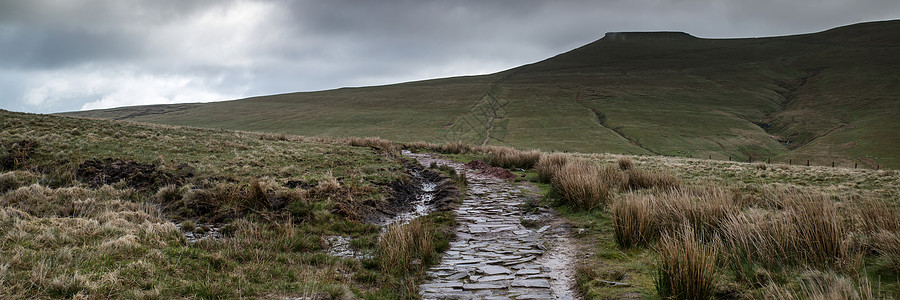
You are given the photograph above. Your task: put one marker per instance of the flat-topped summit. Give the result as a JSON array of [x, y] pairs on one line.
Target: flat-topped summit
[[647, 36]]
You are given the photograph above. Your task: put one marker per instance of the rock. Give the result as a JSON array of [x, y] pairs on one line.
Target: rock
[[483, 286], [532, 283], [528, 272], [495, 278], [457, 276], [494, 270], [442, 285]]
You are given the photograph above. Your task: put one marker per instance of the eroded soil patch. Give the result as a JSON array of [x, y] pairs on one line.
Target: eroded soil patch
[[140, 176], [19, 152]]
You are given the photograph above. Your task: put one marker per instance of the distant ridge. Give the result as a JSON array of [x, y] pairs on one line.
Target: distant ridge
[[647, 36], [832, 96]]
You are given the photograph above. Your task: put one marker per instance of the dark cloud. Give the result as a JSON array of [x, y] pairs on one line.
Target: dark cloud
[[67, 55]]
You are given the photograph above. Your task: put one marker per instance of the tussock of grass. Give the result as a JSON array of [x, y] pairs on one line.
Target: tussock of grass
[[505, 157], [687, 267], [614, 177], [549, 164], [372, 142], [808, 231], [455, 148], [887, 244], [641, 217], [821, 286], [633, 222], [820, 232], [645, 179], [406, 248], [625, 163], [15, 179], [579, 184]]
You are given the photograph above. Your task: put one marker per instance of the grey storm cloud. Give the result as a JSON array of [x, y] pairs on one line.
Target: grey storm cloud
[[70, 55]]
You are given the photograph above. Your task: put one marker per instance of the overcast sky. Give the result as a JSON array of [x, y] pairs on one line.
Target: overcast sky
[[72, 55]]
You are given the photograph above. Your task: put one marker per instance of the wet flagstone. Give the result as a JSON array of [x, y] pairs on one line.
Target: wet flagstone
[[494, 255]]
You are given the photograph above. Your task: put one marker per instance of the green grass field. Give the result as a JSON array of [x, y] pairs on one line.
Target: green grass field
[[827, 97]]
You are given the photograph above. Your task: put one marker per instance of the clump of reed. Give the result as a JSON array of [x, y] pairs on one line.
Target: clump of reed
[[639, 218], [406, 248], [506, 157], [579, 184], [821, 286], [549, 164], [687, 267], [644, 179], [371, 142]]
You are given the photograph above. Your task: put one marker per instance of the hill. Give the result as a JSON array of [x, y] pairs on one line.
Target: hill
[[827, 97]]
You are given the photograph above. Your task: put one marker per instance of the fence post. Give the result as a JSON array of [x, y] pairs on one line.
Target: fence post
[[790, 162], [855, 165], [769, 160], [807, 163], [832, 164]]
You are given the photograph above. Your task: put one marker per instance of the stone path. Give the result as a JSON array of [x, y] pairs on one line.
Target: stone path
[[494, 256]]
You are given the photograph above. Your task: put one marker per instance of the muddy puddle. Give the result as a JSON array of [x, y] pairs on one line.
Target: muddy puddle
[[421, 197], [423, 203]]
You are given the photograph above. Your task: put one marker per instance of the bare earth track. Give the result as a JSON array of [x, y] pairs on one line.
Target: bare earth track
[[494, 256]]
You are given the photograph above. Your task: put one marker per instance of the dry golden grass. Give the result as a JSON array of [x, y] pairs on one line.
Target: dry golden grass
[[808, 231], [549, 164], [625, 163], [455, 148], [14, 179], [645, 179], [48, 245], [614, 177], [822, 286], [633, 222], [579, 184], [406, 248], [640, 217], [687, 267], [371, 142], [887, 244], [509, 158]]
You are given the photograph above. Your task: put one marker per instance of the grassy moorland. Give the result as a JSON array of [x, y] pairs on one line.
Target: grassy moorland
[[102, 209], [680, 228], [826, 97], [693, 229]]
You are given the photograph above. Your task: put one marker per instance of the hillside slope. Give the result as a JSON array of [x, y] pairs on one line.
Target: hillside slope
[[828, 96]]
